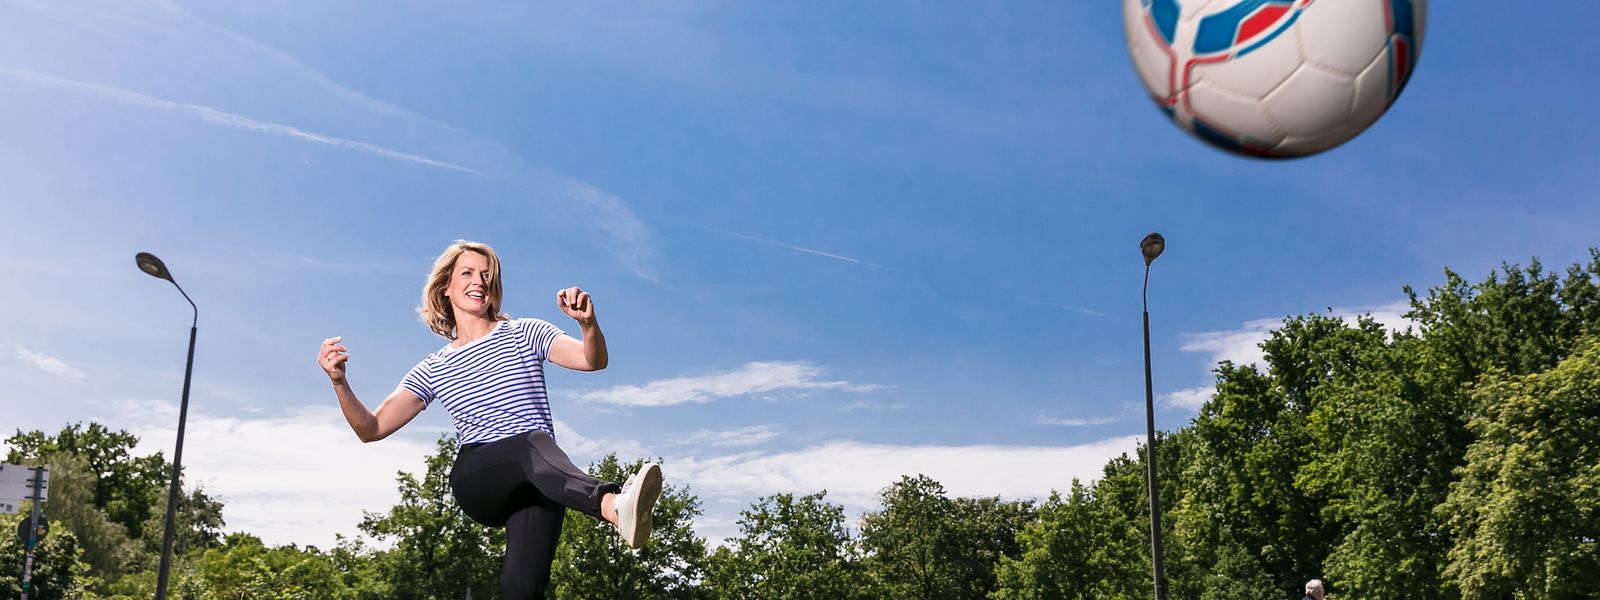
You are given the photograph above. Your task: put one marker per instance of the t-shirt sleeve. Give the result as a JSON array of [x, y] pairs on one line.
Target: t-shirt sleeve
[[419, 381], [541, 334]]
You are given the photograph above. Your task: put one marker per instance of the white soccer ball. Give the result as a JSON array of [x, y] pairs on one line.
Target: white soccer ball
[[1274, 78]]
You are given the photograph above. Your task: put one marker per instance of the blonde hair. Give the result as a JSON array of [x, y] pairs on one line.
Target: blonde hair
[[436, 310]]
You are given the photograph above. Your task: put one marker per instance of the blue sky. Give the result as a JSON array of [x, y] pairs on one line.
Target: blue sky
[[830, 243]]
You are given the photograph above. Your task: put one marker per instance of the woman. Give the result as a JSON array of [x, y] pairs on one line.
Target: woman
[[490, 377]]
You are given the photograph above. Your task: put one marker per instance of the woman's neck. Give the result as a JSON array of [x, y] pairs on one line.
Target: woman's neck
[[471, 328]]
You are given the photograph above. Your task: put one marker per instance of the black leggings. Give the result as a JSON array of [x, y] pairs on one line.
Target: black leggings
[[524, 483]]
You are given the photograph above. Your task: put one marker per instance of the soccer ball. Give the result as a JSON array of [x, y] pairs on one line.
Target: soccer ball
[[1274, 78]]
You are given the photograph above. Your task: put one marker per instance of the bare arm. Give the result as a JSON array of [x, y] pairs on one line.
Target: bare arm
[[393, 413], [589, 353]]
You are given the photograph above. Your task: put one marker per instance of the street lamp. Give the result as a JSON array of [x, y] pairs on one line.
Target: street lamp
[[155, 268], [1151, 246]]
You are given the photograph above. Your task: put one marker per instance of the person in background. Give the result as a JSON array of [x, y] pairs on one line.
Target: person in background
[[1314, 590]]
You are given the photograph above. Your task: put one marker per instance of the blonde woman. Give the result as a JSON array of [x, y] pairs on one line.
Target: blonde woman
[[490, 378]]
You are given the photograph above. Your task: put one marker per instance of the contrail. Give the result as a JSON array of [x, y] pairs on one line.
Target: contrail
[[789, 246], [211, 115], [1076, 309]]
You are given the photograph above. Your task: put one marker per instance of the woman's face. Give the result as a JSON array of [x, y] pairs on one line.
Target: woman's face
[[469, 284]]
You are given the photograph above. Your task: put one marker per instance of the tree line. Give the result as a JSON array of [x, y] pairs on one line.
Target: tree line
[[1459, 459]]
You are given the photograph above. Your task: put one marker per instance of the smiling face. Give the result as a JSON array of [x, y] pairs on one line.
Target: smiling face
[[465, 280], [469, 291]]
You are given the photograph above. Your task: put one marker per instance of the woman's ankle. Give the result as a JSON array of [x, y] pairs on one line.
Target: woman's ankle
[[608, 507]]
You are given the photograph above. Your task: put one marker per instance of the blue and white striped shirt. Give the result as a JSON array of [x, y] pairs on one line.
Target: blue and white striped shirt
[[493, 387]]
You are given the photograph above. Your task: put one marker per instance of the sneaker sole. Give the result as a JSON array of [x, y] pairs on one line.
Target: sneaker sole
[[643, 502]]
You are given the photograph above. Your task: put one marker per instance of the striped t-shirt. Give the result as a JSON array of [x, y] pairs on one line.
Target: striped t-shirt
[[493, 387]]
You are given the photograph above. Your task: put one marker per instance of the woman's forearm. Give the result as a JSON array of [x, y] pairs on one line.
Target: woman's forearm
[[594, 345], [362, 421]]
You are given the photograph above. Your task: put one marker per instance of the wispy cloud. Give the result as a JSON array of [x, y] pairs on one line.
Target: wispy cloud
[[628, 239], [1242, 346], [1191, 398], [635, 244], [871, 405], [226, 119], [760, 379], [303, 71], [1077, 421], [1077, 309], [744, 436], [46, 363], [811, 251]]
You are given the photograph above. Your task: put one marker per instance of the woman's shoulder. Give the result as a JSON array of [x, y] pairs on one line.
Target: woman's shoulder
[[434, 357]]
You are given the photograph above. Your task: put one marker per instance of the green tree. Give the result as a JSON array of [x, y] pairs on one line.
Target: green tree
[[789, 548], [113, 501], [1384, 444], [1334, 460], [243, 567], [360, 566], [1094, 541], [59, 572], [1063, 553], [924, 544], [1240, 504], [438, 551], [106, 546], [122, 481], [196, 525], [592, 562], [1526, 510]]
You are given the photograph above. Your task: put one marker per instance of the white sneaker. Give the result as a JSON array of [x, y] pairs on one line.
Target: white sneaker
[[634, 503]]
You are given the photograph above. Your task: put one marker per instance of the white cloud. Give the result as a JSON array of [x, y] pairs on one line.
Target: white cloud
[[744, 436], [1077, 421], [1242, 346], [1391, 316], [47, 363], [226, 119], [584, 450], [299, 477], [1191, 398], [853, 472], [757, 378]]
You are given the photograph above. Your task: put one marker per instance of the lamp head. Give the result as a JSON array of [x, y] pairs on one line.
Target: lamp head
[[153, 266], [1151, 246]]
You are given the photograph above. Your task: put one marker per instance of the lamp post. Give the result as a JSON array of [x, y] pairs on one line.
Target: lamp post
[[155, 268], [1151, 246]]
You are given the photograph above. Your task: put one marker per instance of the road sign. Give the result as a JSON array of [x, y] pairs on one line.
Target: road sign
[[9, 507], [22, 530], [14, 492], [20, 474], [17, 482]]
